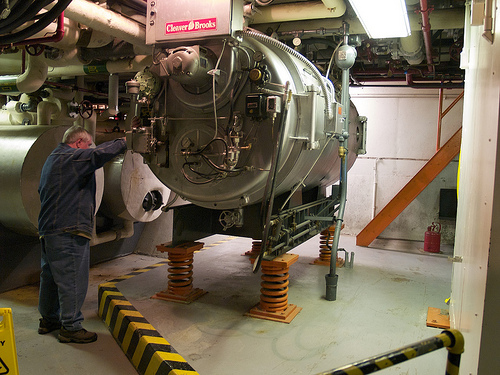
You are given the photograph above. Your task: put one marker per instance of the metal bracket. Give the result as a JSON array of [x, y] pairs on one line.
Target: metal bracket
[[456, 259]]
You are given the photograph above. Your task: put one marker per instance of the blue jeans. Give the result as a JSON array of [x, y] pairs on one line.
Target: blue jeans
[[64, 279]]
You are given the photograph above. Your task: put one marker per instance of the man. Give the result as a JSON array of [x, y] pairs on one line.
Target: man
[[65, 224]]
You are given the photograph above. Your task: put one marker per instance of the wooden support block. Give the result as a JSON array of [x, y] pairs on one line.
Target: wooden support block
[[438, 318]]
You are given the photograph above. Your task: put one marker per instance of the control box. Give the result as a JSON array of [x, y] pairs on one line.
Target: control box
[[179, 21]]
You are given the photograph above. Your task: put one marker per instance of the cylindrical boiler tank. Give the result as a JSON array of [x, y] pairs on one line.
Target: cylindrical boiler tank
[[215, 145], [23, 151]]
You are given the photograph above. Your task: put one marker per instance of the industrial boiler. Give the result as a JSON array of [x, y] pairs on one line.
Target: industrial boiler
[[250, 135]]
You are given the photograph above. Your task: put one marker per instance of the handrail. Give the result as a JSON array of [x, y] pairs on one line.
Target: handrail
[[451, 339], [442, 113]]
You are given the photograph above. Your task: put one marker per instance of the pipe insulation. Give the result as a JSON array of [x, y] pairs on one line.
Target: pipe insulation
[[300, 11], [119, 66], [452, 18], [101, 19], [30, 81], [412, 48], [113, 94]]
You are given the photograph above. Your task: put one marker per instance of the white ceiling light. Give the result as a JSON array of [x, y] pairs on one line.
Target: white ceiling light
[[383, 18]]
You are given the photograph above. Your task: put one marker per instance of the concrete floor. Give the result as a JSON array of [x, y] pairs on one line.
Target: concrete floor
[[381, 305]]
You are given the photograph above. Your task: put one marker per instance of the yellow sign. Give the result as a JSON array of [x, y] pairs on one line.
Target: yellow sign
[[8, 354]]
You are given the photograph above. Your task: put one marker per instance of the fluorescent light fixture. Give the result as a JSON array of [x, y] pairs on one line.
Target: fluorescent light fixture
[[383, 18]]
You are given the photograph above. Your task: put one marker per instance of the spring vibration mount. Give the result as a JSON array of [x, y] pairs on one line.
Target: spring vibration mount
[[325, 249], [273, 303], [255, 251], [180, 273]]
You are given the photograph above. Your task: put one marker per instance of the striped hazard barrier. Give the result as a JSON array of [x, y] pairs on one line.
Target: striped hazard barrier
[[148, 351]]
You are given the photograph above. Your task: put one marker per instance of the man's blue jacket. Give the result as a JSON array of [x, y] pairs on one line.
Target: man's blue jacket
[[67, 187]]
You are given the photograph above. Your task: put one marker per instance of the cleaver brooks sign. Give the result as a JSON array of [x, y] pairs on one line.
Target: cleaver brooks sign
[[190, 26]]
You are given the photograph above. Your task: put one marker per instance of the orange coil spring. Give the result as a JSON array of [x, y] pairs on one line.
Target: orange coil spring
[[180, 278], [274, 291], [325, 240], [256, 245]]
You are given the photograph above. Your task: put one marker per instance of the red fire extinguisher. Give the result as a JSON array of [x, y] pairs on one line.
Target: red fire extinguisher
[[432, 240]]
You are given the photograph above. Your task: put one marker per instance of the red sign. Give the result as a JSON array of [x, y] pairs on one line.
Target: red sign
[[190, 26]]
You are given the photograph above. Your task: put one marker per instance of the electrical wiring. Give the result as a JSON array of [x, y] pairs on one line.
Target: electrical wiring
[[214, 73]]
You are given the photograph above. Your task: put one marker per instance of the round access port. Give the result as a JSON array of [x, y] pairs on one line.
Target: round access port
[[152, 201]]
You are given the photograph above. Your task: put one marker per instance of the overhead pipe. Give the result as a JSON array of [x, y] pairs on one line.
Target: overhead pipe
[[300, 11], [452, 18], [98, 18], [120, 66], [426, 85], [411, 48], [30, 81], [426, 31]]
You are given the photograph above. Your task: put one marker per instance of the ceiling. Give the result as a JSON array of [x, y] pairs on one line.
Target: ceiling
[[425, 59], [401, 61]]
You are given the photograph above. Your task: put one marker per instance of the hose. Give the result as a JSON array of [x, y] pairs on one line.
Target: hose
[[46, 19], [276, 43], [20, 13]]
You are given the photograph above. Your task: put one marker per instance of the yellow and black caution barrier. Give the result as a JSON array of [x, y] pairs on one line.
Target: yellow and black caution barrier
[[148, 351], [451, 339], [8, 353]]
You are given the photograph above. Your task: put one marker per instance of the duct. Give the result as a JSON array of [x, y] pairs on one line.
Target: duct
[[120, 66], [107, 21], [29, 81], [300, 11]]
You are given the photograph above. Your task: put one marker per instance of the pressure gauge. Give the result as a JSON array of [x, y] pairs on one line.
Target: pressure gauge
[[149, 82]]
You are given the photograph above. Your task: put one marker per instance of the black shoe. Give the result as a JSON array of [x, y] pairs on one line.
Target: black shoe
[[47, 326], [81, 336]]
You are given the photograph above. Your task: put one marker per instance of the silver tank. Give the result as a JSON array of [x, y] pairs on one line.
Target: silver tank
[[219, 156], [23, 150]]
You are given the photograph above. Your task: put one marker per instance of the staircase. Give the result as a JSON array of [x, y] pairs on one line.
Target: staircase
[[411, 190]]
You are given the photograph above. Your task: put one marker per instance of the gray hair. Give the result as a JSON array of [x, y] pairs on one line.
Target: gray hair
[[74, 133]]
